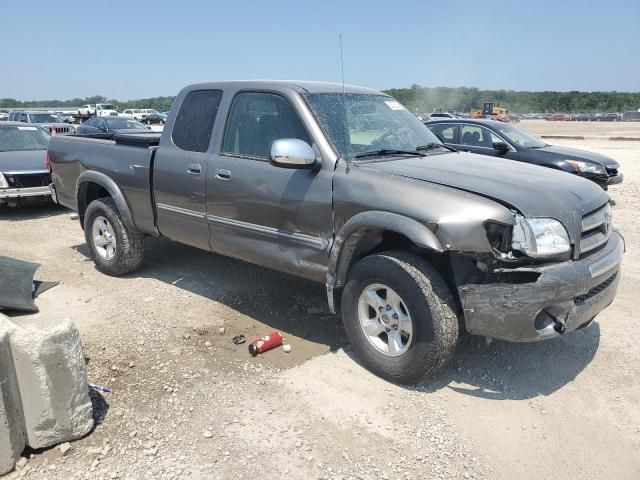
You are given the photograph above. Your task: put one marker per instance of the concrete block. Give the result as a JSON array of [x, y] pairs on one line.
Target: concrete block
[[52, 379], [12, 441], [44, 397]]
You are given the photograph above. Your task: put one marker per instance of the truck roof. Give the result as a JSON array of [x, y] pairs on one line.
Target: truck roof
[[303, 86]]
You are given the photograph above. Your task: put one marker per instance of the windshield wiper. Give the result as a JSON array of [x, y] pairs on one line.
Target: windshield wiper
[[432, 146], [388, 151]]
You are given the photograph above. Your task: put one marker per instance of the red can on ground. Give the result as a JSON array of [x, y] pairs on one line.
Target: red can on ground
[[263, 344]]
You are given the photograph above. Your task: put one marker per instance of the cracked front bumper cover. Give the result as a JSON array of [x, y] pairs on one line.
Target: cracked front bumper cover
[[565, 297]]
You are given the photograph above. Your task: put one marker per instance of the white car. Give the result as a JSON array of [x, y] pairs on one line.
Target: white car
[[100, 110], [86, 110], [436, 115], [134, 114]]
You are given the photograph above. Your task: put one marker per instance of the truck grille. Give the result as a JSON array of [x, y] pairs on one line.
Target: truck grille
[[580, 299], [28, 180], [62, 130], [596, 229]]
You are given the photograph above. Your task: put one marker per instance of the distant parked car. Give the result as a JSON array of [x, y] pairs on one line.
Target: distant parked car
[[86, 110], [156, 117], [499, 139], [584, 117], [134, 114], [23, 170], [106, 126], [99, 110], [558, 117], [50, 121], [633, 116], [608, 117], [436, 115]]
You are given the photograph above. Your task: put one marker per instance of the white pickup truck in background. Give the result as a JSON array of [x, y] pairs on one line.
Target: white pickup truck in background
[[100, 110]]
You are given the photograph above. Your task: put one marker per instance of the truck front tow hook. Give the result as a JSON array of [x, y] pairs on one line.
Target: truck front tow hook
[[559, 325]]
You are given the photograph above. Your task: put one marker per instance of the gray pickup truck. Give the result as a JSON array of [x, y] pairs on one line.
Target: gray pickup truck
[[414, 241]]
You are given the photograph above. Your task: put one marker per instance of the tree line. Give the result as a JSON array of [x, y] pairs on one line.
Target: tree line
[[420, 99], [463, 99], [161, 104]]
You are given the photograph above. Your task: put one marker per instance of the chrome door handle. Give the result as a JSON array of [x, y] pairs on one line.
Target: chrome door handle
[[223, 174], [194, 168]]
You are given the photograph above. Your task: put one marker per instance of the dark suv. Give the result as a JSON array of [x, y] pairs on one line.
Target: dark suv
[[50, 121]]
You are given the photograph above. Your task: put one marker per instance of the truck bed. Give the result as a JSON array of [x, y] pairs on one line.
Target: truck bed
[[126, 159]]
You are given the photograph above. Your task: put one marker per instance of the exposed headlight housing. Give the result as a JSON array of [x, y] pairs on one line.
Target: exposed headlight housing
[[584, 167], [540, 237], [3, 182]]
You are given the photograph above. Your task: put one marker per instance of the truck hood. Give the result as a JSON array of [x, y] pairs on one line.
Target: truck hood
[[532, 190], [25, 160], [575, 154]]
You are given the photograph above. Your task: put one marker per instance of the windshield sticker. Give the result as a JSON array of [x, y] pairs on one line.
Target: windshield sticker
[[394, 105], [27, 128]]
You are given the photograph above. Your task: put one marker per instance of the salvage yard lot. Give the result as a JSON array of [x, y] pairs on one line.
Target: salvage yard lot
[[188, 403]]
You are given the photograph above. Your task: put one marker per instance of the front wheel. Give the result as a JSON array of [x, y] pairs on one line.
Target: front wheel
[[399, 316], [115, 249]]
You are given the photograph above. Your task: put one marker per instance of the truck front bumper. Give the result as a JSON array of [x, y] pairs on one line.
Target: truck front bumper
[[10, 193], [564, 297], [615, 179]]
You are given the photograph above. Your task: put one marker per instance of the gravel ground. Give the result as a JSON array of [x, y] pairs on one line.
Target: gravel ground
[[188, 403]]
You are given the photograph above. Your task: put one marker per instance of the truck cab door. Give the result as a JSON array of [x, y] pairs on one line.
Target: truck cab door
[[180, 169], [278, 217]]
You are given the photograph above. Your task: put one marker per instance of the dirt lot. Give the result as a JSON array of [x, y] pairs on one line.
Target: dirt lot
[[188, 403]]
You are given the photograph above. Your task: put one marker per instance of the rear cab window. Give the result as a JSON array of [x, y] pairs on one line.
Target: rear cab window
[[193, 127]]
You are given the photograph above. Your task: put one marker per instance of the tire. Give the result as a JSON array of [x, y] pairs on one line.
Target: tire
[[429, 305], [128, 245]]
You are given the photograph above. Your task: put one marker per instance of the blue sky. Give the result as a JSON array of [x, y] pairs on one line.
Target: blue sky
[[134, 49]]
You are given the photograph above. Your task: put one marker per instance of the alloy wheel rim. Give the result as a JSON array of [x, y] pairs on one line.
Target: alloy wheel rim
[[385, 320], [104, 238]]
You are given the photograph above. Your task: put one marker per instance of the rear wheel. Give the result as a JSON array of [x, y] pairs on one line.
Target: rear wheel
[[115, 249], [399, 316]]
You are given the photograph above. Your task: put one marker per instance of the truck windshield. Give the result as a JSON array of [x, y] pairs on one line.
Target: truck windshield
[[357, 123], [22, 138]]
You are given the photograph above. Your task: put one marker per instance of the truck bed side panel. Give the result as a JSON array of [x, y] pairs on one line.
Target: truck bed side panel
[[129, 167]]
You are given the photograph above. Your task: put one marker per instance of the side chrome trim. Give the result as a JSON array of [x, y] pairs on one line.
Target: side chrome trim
[[308, 241], [181, 211]]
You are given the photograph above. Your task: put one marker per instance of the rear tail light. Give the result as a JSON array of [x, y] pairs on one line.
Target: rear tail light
[[47, 161]]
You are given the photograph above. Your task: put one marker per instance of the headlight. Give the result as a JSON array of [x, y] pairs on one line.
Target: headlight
[[540, 237], [584, 167], [3, 182]]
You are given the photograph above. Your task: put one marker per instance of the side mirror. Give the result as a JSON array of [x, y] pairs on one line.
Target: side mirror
[[292, 153], [500, 147]]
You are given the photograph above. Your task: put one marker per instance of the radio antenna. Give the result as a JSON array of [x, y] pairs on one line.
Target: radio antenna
[[342, 63]]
